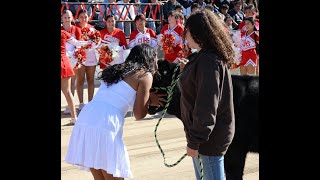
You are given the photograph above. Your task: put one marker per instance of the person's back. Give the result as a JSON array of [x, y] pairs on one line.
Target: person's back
[[120, 95]]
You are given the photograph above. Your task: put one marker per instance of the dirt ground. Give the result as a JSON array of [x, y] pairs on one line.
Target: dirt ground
[[146, 159]]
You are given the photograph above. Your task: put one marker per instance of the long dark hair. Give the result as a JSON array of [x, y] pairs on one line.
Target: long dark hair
[[207, 30], [141, 57]]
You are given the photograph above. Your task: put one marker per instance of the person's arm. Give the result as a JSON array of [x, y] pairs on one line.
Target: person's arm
[[179, 31], [179, 46], [183, 63], [75, 42], [153, 39], [206, 102], [235, 25], [141, 104], [123, 41], [159, 36], [257, 36], [132, 39]]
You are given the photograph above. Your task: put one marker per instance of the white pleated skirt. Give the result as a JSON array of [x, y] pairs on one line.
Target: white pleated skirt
[[96, 141]]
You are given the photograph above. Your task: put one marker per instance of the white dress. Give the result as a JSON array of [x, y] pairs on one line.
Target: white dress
[[96, 139]]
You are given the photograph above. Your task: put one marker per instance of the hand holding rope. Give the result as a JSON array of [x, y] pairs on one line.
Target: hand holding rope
[[170, 90]]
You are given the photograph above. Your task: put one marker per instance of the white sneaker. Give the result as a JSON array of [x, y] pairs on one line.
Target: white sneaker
[[81, 105], [67, 111], [73, 121]]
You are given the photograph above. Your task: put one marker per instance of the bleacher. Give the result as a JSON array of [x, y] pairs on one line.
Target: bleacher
[[98, 10]]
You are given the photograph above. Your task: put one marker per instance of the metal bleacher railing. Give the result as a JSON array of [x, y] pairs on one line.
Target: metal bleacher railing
[[125, 12]]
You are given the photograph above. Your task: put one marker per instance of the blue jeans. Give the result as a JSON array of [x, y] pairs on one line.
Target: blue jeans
[[213, 167]]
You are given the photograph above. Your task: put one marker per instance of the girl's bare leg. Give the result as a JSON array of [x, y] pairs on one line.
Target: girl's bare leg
[[243, 70], [90, 70], [80, 82], [97, 174], [66, 90], [108, 176], [251, 69]]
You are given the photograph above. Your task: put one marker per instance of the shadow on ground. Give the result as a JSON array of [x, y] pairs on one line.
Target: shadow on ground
[[159, 115], [68, 116], [129, 114]]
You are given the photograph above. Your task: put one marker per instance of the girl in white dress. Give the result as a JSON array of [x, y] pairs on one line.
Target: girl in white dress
[[96, 140]]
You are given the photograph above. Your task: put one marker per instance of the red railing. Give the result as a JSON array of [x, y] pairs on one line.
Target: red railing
[[154, 9]]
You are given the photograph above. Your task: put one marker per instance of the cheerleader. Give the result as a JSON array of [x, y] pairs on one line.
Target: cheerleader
[[75, 32], [249, 11], [89, 66], [114, 35], [142, 35], [249, 41], [67, 71], [176, 30]]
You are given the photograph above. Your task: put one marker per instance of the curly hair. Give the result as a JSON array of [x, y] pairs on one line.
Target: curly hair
[[140, 57], [208, 31]]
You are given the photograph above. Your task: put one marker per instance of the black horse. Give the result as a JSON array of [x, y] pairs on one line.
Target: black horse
[[245, 99]]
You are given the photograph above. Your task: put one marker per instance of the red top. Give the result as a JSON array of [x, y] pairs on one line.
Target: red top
[[116, 36], [74, 31], [66, 69], [137, 37], [178, 33], [64, 36]]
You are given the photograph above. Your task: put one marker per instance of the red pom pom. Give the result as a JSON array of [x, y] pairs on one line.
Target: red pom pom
[[105, 55], [168, 43]]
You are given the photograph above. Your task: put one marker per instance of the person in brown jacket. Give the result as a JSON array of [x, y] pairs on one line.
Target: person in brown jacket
[[207, 109]]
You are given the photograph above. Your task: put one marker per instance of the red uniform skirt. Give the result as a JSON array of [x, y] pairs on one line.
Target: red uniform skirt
[[247, 55], [66, 69]]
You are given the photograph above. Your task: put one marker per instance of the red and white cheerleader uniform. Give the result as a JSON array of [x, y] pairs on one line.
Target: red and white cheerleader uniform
[[66, 69], [248, 49], [76, 33], [243, 28], [146, 37], [91, 58], [177, 31], [117, 36]]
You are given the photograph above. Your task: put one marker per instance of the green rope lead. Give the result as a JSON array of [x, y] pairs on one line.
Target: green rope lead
[[201, 167], [170, 92]]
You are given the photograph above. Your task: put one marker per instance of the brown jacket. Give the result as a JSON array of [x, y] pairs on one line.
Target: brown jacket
[[207, 104]]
